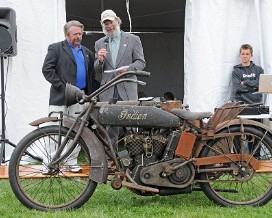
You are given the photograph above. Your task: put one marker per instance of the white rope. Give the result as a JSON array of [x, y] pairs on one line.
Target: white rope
[[127, 6]]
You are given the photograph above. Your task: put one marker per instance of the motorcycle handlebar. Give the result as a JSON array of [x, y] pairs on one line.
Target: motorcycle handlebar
[[118, 79], [73, 94]]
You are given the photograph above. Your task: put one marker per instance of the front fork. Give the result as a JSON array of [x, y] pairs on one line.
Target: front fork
[[61, 144], [86, 114]]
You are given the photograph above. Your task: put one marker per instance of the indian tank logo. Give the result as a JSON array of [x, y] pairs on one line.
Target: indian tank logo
[[135, 115], [104, 109]]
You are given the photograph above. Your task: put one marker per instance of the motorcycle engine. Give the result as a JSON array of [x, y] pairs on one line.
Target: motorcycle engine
[[147, 163], [150, 146]]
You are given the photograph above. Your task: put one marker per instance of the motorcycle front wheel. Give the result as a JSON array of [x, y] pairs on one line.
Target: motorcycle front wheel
[[39, 187], [241, 186]]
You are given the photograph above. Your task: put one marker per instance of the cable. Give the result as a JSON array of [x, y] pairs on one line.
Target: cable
[[127, 7], [159, 13]]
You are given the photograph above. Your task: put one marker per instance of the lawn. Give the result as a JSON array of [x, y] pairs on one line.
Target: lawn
[[107, 202]]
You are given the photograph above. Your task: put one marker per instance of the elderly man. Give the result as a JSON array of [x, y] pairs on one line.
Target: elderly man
[[116, 50]]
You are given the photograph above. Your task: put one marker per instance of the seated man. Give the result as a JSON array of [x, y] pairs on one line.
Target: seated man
[[245, 77]]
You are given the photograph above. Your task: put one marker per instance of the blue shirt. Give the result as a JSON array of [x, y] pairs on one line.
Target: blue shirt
[[81, 66]]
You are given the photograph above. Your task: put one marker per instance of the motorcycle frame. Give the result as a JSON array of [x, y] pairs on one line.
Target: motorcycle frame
[[101, 146]]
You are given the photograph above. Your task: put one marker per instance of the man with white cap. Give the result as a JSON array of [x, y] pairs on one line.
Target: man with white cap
[[117, 49]]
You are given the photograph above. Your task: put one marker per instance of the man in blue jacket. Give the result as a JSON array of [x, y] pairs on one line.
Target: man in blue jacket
[[68, 62]]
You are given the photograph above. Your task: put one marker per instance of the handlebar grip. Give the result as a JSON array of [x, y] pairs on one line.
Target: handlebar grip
[[141, 83], [143, 73], [82, 101], [138, 73]]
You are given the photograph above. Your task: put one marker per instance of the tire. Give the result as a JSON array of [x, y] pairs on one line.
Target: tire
[[245, 186], [58, 189]]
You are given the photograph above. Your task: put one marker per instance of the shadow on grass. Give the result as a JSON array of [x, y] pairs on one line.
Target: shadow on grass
[[125, 198], [125, 203]]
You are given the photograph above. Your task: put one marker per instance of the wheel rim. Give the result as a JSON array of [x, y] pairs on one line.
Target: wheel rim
[[242, 186], [59, 187]]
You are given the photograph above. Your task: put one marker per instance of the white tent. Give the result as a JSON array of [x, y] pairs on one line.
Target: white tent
[[214, 31], [39, 23]]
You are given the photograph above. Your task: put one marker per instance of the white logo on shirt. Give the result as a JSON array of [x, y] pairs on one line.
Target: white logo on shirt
[[249, 75]]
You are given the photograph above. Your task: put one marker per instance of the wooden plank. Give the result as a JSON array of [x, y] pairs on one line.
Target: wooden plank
[[34, 171], [265, 166]]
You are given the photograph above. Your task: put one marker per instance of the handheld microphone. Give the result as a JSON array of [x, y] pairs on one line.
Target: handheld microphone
[[106, 42]]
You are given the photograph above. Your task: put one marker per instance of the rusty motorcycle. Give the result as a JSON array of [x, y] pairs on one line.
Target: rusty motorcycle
[[166, 151]]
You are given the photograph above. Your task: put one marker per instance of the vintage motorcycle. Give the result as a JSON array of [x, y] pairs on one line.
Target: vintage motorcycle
[[163, 150]]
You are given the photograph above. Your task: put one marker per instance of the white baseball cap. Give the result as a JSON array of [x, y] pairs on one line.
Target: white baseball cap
[[108, 15]]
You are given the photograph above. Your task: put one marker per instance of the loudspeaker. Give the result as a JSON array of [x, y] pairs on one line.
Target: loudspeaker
[[8, 32]]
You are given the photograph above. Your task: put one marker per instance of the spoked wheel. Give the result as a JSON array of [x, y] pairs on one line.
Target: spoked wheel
[[40, 187], [242, 185]]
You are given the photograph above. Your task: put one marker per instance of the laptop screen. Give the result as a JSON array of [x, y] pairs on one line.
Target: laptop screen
[[265, 83]]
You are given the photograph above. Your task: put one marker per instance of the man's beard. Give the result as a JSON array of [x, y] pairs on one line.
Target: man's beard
[[113, 34]]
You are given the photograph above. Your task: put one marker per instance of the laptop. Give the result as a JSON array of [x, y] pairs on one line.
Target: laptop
[[265, 83]]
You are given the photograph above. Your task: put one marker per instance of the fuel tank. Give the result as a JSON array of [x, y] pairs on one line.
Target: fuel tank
[[137, 116]]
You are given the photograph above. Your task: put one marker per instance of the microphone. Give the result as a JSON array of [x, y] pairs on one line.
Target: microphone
[[102, 56], [106, 41]]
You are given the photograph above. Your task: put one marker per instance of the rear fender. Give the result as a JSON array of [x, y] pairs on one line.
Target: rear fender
[[228, 124], [247, 122], [99, 169], [258, 165]]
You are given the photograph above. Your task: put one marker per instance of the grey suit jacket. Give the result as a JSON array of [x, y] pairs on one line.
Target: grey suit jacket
[[60, 67], [130, 54]]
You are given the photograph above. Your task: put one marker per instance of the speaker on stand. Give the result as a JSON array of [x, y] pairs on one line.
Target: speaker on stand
[[8, 48]]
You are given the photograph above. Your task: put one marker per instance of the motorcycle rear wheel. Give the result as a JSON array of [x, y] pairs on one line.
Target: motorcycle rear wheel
[[244, 187], [57, 189]]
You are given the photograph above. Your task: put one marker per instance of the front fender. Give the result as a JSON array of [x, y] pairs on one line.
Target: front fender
[[44, 120], [99, 166]]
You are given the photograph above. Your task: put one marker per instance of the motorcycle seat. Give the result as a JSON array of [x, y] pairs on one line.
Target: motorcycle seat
[[190, 116]]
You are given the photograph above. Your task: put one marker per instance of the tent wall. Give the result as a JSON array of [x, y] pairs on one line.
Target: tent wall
[[214, 32], [39, 23]]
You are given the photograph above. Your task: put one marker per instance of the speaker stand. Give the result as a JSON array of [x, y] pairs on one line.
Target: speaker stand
[[3, 136]]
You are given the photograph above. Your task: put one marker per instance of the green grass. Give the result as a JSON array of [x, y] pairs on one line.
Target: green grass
[[107, 202]]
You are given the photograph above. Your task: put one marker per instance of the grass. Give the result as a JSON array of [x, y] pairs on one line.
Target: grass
[[107, 202]]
